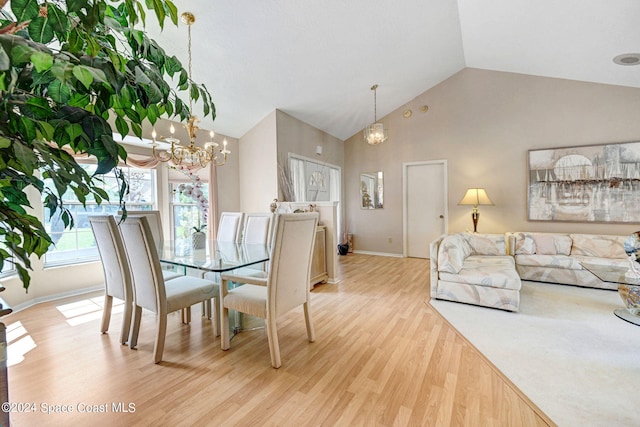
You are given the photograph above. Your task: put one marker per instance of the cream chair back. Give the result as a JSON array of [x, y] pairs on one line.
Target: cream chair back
[[230, 227], [148, 284], [290, 261], [117, 274], [153, 217], [257, 228]]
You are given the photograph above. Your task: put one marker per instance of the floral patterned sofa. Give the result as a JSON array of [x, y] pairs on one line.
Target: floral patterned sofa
[[557, 257], [476, 269]]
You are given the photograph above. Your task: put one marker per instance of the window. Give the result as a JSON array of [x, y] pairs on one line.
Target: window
[[185, 212], [78, 244]]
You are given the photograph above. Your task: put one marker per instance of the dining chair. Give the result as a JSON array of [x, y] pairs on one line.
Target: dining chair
[[257, 227], [150, 290], [117, 275], [155, 223], [285, 287], [230, 227]]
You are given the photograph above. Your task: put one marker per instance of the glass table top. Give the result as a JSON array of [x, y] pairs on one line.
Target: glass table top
[[216, 256]]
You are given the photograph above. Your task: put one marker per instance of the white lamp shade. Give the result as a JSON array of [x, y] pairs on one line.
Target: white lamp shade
[[475, 197]]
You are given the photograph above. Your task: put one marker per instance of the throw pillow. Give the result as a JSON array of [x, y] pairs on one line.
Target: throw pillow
[[486, 244], [452, 253], [552, 244], [597, 245], [525, 245]]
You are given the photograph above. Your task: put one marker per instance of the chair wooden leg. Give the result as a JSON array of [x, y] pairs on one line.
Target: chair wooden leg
[[126, 322], [186, 315], [224, 328], [161, 333], [106, 313], [135, 328], [272, 337], [311, 333], [207, 309], [217, 306]]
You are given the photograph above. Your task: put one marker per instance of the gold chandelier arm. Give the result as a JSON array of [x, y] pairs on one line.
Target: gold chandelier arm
[[162, 156]]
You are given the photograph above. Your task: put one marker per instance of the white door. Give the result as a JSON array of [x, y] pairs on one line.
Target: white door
[[425, 205]]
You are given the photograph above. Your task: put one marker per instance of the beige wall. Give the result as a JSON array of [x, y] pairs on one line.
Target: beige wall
[[295, 136], [483, 122], [258, 168]]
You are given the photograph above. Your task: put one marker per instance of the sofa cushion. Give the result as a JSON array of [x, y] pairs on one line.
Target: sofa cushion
[[524, 244], [552, 243], [490, 271], [452, 252], [549, 261], [486, 244], [597, 245]]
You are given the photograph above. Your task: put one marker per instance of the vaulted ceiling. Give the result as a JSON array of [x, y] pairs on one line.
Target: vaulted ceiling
[[316, 60]]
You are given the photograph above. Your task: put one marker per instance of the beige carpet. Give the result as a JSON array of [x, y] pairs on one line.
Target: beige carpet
[[565, 350]]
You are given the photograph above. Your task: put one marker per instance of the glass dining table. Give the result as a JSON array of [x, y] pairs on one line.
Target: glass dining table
[[216, 256]]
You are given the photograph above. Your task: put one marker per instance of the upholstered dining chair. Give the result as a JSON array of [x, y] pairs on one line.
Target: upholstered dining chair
[[257, 228], [230, 227], [155, 224], [117, 275], [150, 290], [285, 287]]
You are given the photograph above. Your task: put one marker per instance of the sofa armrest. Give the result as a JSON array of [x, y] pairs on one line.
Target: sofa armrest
[[433, 260]]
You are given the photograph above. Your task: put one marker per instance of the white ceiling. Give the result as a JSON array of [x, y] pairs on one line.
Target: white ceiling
[[317, 60]]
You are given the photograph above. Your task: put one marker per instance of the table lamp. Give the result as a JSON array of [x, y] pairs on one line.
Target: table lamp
[[475, 197]]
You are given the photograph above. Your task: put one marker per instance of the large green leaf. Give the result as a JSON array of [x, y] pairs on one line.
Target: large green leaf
[[25, 156], [59, 92], [83, 75], [173, 11], [160, 12], [38, 108], [42, 61], [122, 126], [41, 30], [25, 10], [58, 20]]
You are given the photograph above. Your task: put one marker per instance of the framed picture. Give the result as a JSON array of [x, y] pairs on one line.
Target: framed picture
[[593, 183]]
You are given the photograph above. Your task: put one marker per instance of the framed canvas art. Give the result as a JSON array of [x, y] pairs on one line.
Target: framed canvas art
[[593, 183]]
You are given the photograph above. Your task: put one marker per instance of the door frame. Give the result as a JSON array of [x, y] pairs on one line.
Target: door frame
[[405, 198]]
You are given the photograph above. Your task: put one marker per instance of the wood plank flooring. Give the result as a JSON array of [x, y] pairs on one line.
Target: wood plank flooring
[[383, 357]]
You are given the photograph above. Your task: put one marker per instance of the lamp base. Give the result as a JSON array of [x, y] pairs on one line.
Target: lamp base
[[475, 215]]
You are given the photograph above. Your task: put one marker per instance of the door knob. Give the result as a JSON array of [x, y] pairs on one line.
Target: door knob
[[441, 216]]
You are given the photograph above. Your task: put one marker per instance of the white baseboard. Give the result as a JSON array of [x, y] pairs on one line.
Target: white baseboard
[[54, 297], [378, 254]]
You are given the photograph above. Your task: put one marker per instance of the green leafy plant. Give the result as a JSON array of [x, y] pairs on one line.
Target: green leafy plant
[[67, 69]]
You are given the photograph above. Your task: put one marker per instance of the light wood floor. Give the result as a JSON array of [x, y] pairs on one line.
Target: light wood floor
[[383, 357]]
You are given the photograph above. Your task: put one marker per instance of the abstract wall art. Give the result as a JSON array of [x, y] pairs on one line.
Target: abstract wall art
[[594, 183]]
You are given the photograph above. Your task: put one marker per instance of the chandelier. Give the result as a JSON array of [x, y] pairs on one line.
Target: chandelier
[[190, 155], [375, 133]]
